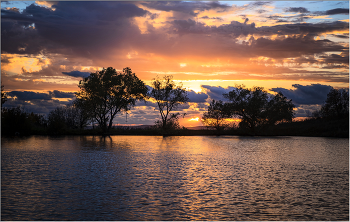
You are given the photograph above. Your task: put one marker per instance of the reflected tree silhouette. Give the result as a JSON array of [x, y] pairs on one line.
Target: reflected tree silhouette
[[96, 143]]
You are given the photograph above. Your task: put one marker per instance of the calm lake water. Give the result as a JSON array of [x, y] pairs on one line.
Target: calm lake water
[[174, 178]]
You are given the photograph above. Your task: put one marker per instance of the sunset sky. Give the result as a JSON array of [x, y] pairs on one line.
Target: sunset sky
[[300, 48]]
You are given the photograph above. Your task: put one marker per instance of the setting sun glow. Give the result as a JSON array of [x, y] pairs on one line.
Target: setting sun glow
[[194, 119]]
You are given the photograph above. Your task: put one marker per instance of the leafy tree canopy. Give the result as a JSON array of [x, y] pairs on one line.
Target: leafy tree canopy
[[216, 115], [337, 104], [15, 121], [107, 92], [3, 95], [256, 108], [168, 96]]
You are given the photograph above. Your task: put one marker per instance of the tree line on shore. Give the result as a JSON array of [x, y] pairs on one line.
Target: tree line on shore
[[106, 93]]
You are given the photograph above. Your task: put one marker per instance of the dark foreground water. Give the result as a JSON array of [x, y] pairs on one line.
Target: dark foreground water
[[174, 178]]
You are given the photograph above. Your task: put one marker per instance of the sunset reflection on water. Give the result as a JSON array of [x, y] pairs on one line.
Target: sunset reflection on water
[[175, 178]]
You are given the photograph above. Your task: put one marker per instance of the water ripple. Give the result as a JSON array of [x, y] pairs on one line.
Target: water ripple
[[174, 178]]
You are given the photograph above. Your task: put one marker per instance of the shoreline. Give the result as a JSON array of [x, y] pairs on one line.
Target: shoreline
[[187, 133], [337, 128]]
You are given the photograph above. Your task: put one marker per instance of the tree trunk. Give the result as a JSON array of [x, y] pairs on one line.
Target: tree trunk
[[164, 124], [104, 126], [109, 126]]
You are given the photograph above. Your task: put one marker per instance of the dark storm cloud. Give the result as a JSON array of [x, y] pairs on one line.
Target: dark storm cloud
[[21, 18], [306, 59], [335, 58], [39, 106], [189, 26], [59, 94], [181, 107], [234, 29], [337, 11], [310, 94], [146, 104], [97, 32], [332, 61], [77, 74], [216, 18], [196, 97], [281, 20], [275, 17], [345, 36], [215, 92], [258, 4], [297, 9], [185, 7], [292, 47], [333, 66], [214, 5], [288, 19], [304, 28], [306, 14], [154, 16], [28, 95], [261, 11], [87, 28], [41, 103], [17, 38], [4, 59]]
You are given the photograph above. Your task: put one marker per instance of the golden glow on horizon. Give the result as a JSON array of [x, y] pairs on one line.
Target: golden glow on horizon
[[195, 85], [194, 119], [233, 120]]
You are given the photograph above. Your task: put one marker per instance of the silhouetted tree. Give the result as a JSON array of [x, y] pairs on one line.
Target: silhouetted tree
[[168, 96], [38, 123], [37, 120], [337, 104], [107, 92], [279, 108], [172, 122], [82, 113], [70, 117], [255, 108], [57, 123], [216, 115], [15, 121], [3, 95]]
